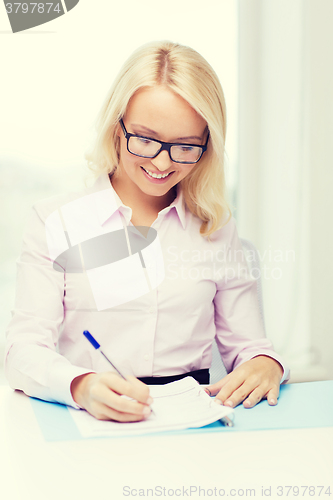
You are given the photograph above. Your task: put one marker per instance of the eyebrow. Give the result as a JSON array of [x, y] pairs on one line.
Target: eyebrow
[[152, 132]]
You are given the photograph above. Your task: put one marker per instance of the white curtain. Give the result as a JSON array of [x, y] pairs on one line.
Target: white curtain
[[285, 168]]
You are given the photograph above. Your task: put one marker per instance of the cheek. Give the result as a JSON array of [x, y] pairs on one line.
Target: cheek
[[126, 158], [186, 170]]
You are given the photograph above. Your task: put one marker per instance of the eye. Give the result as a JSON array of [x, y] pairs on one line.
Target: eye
[[143, 140], [186, 149]]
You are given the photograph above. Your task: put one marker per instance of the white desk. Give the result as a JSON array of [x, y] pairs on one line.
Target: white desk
[[99, 469]]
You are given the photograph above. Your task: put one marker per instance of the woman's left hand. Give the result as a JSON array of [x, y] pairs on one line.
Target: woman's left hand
[[249, 383]]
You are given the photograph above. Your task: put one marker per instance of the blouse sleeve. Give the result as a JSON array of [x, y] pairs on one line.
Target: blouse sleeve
[[240, 333], [32, 363]]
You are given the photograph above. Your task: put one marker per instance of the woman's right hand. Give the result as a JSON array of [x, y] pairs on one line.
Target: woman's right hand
[[100, 394]]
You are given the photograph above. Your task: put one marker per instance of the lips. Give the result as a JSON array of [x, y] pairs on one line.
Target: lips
[[156, 176], [156, 180]]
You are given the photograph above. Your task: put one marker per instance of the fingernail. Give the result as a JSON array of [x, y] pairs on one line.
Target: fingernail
[[272, 401], [218, 401], [229, 403], [146, 410], [247, 403], [150, 400]]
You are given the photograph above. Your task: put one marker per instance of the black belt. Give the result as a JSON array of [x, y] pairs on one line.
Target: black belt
[[201, 376]]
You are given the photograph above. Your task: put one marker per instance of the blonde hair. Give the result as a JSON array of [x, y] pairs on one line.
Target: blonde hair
[[188, 74]]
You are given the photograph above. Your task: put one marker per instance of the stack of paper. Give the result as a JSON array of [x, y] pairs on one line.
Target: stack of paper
[[178, 405]]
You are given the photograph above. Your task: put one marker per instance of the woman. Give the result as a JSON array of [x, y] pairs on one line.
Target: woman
[[159, 158]]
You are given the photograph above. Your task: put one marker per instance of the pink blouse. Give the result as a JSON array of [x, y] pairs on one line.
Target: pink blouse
[[153, 320]]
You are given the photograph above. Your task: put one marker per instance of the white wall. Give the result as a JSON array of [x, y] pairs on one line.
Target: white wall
[[285, 171], [319, 153]]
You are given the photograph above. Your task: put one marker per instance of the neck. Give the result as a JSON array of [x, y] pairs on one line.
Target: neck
[[134, 198]]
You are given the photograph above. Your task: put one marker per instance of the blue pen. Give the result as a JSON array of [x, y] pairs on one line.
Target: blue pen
[[97, 346]]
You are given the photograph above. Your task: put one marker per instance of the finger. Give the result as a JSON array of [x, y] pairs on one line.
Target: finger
[[254, 397], [227, 384], [139, 391], [213, 389], [116, 402], [273, 395], [240, 393], [104, 412], [131, 387], [236, 383]]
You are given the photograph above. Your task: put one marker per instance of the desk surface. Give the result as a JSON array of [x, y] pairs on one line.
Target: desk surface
[[32, 468]]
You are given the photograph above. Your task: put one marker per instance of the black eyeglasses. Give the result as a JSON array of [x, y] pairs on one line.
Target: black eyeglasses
[[146, 147]]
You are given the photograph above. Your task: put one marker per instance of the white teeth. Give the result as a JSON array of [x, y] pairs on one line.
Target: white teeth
[[160, 176]]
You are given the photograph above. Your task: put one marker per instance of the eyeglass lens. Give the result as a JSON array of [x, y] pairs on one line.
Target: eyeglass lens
[[149, 148]]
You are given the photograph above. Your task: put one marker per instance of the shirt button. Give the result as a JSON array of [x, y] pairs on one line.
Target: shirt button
[[151, 309], [146, 357]]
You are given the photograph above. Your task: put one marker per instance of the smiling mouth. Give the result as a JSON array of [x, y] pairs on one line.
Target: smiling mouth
[[156, 176]]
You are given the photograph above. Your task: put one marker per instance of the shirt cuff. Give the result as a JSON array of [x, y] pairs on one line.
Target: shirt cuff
[[60, 382]]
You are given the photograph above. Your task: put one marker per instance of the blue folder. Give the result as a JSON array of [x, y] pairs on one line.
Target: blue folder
[[302, 405]]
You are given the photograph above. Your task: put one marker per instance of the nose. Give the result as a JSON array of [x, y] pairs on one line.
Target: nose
[[162, 161]]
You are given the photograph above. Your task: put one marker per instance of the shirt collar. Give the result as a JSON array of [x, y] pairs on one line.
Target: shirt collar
[[106, 206], [178, 205]]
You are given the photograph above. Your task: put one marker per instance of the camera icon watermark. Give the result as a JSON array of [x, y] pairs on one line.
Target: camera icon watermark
[[120, 262], [26, 15]]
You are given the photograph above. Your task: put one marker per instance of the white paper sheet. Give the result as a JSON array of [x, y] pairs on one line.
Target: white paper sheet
[[178, 405]]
